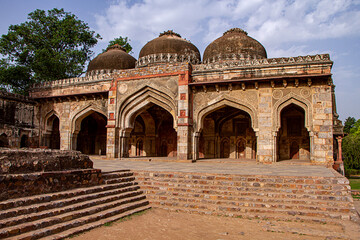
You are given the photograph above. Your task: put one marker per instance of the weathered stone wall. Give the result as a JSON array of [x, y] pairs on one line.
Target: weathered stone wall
[[18, 161], [29, 172], [17, 121]]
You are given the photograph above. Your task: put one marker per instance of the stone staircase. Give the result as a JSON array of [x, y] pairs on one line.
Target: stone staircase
[[62, 214], [320, 199]]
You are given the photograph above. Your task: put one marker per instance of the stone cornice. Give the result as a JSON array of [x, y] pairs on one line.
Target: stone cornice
[[237, 61], [168, 58]]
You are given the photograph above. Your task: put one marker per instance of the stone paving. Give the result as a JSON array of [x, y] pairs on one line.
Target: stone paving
[[214, 167]]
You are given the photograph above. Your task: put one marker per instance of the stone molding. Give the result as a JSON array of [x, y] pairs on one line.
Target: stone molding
[[109, 75], [14, 96], [239, 60], [167, 58]]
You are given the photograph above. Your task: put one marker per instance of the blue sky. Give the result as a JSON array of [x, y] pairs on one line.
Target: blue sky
[[285, 28]]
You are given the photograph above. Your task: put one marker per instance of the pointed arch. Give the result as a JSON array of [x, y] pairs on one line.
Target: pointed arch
[[226, 101], [78, 116], [48, 120], [140, 101], [297, 100]]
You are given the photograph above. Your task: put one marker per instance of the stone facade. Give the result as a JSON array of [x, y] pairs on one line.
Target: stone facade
[[18, 125], [231, 106]]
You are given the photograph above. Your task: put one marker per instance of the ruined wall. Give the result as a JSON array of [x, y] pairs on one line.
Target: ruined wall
[[18, 126]]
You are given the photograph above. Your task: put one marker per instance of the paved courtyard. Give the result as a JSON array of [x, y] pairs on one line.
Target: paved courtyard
[[231, 167]]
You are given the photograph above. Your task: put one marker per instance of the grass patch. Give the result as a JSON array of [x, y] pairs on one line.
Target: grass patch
[[354, 183]]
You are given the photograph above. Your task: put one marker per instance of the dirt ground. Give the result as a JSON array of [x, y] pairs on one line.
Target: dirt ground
[[161, 224]]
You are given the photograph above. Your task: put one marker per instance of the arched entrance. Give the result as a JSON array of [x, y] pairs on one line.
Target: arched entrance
[[91, 138], [139, 147], [227, 133], [293, 137], [154, 126], [24, 141], [52, 133], [225, 148], [4, 142], [240, 149]]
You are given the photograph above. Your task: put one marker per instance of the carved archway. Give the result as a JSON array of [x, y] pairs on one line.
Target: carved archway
[[138, 102], [96, 121], [292, 98], [222, 102]]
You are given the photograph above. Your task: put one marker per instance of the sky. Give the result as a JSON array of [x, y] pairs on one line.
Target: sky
[[286, 28]]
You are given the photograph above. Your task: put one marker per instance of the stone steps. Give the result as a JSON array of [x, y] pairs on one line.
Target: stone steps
[[315, 198], [17, 202], [56, 208], [65, 213], [245, 192], [248, 205], [72, 227], [248, 198]]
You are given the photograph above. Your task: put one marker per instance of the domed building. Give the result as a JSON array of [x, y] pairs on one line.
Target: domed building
[[235, 44], [236, 104], [114, 58], [169, 47]]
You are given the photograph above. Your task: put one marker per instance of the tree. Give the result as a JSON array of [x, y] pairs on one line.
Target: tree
[[349, 123], [124, 42], [49, 46], [351, 144]]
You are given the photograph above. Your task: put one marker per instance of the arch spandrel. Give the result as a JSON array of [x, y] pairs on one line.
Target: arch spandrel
[[77, 117], [140, 101], [292, 98], [221, 102]]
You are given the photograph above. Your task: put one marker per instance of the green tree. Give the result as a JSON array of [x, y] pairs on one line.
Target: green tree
[[349, 123], [124, 42], [351, 144], [50, 45]]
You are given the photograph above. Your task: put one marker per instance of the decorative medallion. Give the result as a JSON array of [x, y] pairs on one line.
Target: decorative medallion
[[123, 88], [277, 94], [251, 97], [305, 93]]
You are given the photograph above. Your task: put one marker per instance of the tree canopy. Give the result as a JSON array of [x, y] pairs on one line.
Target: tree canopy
[[351, 144], [50, 45], [122, 41]]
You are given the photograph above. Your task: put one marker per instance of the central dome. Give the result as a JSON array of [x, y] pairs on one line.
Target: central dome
[[115, 58], [235, 44], [168, 47]]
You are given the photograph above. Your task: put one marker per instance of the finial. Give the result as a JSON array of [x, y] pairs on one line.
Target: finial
[[170, 32], [116, 46], [239, 30]]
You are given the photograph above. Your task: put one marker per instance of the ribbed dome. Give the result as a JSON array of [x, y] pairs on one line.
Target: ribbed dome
[[168, 47], [235, 44], [115, 57]]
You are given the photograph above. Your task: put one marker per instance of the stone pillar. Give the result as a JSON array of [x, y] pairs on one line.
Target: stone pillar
[[110, 141], [184, 116], [322, 126], [265, 141], [124, 143], [66, 136], [196, 138], [339, 156], [111, 123], [275, 148]]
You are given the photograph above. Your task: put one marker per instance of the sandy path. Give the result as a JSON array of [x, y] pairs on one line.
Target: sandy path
[[160, 225]]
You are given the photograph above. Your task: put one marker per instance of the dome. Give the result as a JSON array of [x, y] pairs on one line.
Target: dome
[[169, 47], [115, 58], [235, 44]]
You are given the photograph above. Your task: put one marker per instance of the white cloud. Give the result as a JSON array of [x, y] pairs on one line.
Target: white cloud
[[271, 22]]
